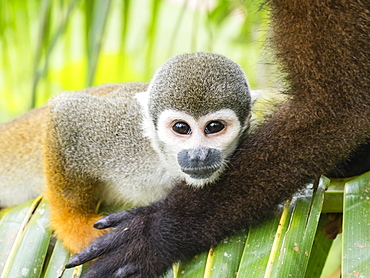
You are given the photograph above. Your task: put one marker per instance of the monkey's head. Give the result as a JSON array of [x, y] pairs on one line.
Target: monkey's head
[[200, 106]]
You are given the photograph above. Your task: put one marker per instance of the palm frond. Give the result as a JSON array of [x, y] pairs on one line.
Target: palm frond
[[290, 244]]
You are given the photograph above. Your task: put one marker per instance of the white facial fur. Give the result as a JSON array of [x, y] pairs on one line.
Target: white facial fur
[[172, 143], [168, 143], [198, 138]]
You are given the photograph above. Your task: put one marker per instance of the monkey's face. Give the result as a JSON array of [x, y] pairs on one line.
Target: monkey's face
[[198, 148]]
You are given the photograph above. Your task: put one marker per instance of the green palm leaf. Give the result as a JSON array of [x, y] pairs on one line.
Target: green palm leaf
[[291, 244]]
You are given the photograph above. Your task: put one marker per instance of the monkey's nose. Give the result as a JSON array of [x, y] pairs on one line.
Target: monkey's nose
[[199, 163], [197, 155]]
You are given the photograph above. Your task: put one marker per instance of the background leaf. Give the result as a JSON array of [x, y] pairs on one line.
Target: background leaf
[[50, 46]]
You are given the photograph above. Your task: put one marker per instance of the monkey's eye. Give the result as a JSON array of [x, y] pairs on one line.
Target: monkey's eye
[[181, 128], [214, 127]]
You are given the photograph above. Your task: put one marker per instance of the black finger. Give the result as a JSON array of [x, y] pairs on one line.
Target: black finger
[[100, 246], [112, 266], [126, 271], [103, 272], [112, 220]]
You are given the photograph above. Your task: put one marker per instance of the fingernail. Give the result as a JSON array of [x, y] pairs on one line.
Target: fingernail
[[72, 262], [99, 224]]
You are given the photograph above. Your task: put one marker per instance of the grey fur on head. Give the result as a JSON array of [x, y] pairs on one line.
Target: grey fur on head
[[199, 83]]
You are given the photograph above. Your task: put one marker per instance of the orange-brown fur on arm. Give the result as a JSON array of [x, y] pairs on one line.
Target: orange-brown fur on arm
[[72, 192], [72, 197]]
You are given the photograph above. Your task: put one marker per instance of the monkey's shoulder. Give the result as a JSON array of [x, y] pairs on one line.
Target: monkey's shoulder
[[99, 129], [107, 105]]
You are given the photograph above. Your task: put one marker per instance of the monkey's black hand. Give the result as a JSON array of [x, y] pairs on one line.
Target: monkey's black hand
[[105, 243], [132, 249]]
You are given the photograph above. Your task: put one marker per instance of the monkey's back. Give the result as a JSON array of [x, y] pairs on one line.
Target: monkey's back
[[100, 134], [21, 170]]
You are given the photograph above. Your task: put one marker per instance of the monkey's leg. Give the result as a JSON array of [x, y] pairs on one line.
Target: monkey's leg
[[73, 198]]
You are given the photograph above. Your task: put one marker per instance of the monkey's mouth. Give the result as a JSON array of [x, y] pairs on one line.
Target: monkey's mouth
[[201, 172]]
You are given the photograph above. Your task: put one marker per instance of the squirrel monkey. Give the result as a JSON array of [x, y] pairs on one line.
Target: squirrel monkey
[[125, 143]]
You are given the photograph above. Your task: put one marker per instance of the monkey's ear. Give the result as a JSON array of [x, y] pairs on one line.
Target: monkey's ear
[[254, 95]]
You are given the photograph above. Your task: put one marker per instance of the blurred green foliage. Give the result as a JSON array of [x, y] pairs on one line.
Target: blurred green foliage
[[48, 46]]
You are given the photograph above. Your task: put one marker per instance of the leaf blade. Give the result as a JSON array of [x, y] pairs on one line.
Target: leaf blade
[[356, 223]]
